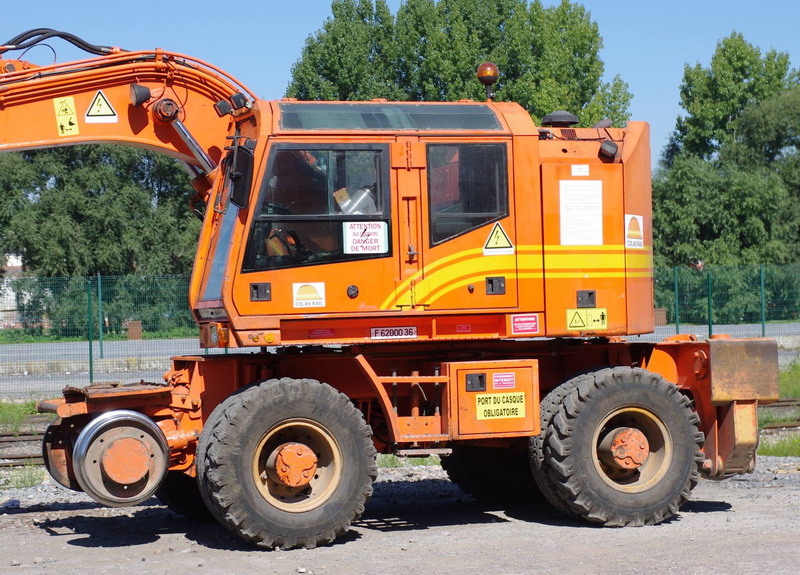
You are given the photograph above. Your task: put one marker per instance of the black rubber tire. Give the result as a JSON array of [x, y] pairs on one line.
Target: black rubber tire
[[630, 397], [242, 430], [542, 475], [493, 475], [180, 493], [206, 437]]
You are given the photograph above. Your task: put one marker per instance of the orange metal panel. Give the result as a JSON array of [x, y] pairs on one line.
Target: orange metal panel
[[584, 246], [738, 437], [743, 369], [505, 405], [526, 188], [638, 228]]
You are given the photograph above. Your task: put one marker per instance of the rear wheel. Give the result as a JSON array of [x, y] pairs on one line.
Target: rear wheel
[[624, 448], [545, 480], [286, 463]]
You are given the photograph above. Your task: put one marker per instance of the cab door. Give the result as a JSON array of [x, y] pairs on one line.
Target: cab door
[[469, 232], [320, 235], [408, 173]]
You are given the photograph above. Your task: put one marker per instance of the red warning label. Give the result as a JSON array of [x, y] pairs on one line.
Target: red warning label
[[525, 324], [504, 380]]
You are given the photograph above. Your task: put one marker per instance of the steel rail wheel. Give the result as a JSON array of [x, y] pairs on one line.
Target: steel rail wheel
[[624, 448], [286, 463], [120, 458]]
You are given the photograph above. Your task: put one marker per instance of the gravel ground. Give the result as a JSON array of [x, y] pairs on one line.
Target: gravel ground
[[418, 522]]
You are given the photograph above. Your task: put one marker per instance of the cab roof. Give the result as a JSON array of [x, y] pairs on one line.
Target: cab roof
[[388, 116]]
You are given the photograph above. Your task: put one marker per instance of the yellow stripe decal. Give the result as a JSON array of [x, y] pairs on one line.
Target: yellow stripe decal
[[573, 262]]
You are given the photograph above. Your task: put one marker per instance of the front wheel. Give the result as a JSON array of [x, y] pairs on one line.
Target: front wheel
[[286, 463], [624, 448]]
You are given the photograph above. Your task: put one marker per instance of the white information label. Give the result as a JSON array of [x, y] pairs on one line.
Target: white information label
[[365, 238], [579, 170], [409, 332], [581, 203]]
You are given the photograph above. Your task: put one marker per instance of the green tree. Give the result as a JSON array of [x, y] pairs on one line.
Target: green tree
[[348, 58], [719, 213], [557, 60], [766, 138], [548, 56], [107, 210], [714, 96], [728, 188], [17, 174], [768, 133]]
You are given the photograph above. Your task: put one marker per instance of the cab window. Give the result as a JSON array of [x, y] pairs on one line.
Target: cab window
[[321, 204], [467, 188]]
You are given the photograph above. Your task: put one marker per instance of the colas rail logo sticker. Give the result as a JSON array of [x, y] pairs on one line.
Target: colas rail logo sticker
[[308, 294], [634, 231]]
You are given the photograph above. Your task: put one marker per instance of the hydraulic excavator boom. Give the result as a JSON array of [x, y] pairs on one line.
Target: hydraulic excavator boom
[[158, 100]]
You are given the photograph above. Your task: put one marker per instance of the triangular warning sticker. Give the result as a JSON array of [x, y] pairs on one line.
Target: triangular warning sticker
[[100, 110], [576, 321], [64, 109], [498, 242]]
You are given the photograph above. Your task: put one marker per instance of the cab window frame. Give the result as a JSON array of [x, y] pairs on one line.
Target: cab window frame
[[467, 189], [318, 220]]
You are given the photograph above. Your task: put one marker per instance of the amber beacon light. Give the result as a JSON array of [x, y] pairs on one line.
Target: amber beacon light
[[488, 73]]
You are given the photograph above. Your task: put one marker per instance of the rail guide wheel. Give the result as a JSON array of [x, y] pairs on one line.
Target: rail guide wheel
[[120, 458]]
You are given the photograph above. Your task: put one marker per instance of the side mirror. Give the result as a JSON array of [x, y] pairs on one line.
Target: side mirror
[[241, 176]]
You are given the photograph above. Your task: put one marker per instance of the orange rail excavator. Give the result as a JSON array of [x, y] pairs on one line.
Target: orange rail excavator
[[391, 277]]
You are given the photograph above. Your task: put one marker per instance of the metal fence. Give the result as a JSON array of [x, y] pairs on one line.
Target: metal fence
[[72, 331], [765, 296], [743, 301]]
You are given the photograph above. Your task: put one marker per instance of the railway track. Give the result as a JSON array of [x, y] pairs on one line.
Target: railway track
[[21, 448], [782, 404], [788, 413], [24, 448], [20, 460]]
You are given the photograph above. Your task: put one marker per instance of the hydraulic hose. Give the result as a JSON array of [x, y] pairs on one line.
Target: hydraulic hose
[[38, 35]]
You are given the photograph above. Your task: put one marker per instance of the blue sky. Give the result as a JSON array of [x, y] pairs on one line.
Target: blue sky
[[647, 43]]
